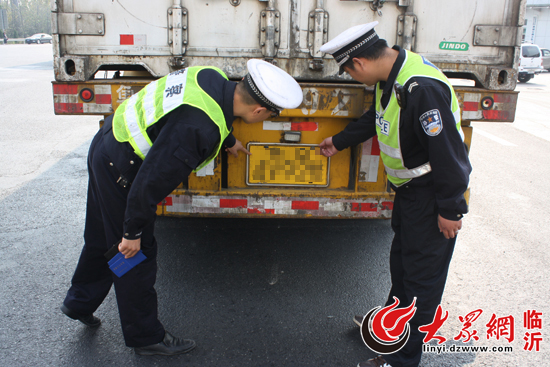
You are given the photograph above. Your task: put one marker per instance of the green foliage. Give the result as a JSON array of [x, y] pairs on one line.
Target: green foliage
[[27, 17]]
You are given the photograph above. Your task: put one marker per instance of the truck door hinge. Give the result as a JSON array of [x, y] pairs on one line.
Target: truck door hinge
[[317, 36], [406, 31], [177, 62], [177, 30], [270, 35], [496, 35], [83, 24], [376, 6]]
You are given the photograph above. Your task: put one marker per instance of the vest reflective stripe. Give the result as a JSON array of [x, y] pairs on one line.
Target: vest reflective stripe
[[149, 103], [387, 124], [458, 120], [141, 140], [389, 151], [157, 99], [410, 173]]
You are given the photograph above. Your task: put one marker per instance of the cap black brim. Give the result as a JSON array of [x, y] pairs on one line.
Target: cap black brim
[[341, 70]]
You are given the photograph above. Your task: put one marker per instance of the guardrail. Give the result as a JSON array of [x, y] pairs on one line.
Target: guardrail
[[13, 41]]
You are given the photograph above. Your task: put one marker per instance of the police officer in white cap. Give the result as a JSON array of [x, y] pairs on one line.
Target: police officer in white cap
[[416, 117], [155, 139]]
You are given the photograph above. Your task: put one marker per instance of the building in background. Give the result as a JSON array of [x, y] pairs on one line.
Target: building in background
[[537, 23]]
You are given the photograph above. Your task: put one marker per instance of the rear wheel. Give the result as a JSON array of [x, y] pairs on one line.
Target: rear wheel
[[524, 78], [38, 41]]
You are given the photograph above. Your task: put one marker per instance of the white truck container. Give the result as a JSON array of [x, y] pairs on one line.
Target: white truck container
[[107, 50]]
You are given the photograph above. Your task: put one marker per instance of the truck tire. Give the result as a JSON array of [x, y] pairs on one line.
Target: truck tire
[[524, 78]]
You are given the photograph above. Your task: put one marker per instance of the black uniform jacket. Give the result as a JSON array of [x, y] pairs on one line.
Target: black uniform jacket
[[182, 140], [445, 151]]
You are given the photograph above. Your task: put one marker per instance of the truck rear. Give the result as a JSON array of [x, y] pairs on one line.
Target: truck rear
[[106, 51]]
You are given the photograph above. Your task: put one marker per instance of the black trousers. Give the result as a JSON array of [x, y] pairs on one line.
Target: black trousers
[[419, 262], [92, 280]]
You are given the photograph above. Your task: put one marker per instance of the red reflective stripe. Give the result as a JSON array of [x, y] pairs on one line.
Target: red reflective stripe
[[68, 107], [261, 211], [375, 150], [233, 203], [497, 115], [65, 89], [505, 98], [471, 106], [126, 39], [305, 205], [304, 126], [103, 99], [364, 207], [369, 207], [166, 202], [387, 205]]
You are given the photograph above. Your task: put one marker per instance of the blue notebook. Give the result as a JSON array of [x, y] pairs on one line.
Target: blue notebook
[[120, 266]]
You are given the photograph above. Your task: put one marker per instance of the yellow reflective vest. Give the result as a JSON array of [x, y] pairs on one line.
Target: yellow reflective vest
[[387, 120], [158, 98]]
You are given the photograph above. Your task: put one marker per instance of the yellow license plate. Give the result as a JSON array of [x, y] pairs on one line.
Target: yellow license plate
[[286, 165]]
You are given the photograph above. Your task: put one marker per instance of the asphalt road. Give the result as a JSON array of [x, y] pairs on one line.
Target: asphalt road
[[258, 292]]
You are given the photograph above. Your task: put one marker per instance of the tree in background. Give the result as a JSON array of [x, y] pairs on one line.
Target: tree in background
[[27, 17]]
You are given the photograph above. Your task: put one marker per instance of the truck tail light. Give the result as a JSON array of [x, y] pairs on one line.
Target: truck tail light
[[487, 103], [86, 94]]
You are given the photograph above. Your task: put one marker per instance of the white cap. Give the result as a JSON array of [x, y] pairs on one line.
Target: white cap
[[271, 86], [351, 42]]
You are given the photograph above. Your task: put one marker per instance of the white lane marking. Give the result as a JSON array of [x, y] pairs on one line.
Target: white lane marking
[[494, 138]]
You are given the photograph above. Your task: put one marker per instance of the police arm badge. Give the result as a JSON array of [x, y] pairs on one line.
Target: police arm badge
[[431, 122]]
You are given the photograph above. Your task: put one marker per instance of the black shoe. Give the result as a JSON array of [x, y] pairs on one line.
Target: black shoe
[[88, 320], [170, 346], [375, 362]]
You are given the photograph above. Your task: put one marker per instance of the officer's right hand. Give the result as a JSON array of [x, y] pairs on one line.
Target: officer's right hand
[[129, 248], [234, 150], [327, 148]]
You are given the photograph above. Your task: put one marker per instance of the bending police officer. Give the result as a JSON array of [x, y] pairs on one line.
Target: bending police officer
[[155, 139], [416, 117]]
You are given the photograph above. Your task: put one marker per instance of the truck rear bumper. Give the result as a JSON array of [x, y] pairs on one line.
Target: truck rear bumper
[[295, 204]]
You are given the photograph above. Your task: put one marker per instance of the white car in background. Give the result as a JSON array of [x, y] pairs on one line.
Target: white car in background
[[545, 58], [530, 62]]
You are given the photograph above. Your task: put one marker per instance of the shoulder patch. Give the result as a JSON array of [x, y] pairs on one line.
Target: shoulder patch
[[431, 122], [412, 85]]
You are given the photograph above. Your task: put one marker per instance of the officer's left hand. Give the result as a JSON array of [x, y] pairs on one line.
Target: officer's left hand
[[235, 149], [129, 248], [449, 228]]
